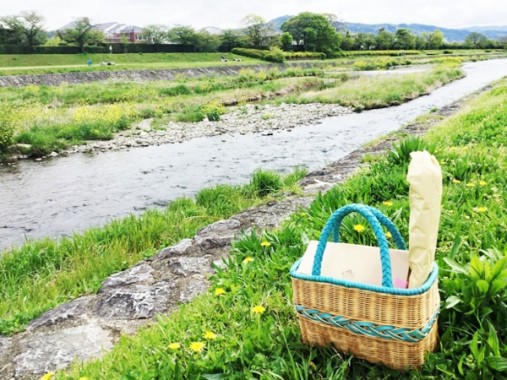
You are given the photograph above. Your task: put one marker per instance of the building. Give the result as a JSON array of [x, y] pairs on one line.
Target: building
[[114, 32]]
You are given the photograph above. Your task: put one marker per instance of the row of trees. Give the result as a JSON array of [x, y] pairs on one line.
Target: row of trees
[[304, 32]]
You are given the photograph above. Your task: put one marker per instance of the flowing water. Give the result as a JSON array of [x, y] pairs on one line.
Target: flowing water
[[60, 196]]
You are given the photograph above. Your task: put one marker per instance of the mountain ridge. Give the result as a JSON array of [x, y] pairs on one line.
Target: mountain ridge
[[450, 34]]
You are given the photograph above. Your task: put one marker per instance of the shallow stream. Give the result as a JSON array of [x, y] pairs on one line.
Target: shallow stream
[[67, 194]]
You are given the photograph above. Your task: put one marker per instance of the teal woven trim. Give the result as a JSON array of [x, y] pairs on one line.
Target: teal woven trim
[[368, 328], [372, 216], [372, 288]]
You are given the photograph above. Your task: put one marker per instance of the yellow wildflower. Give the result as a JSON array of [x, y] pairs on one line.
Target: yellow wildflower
[[266, 244], [47, 376], [359, 228], [471, 184], [197, 346], [456, 180], [208, 335], [174, 346], [480, 209], [248, 259], [387, 203], [483, 183], [259, 309], [388, 235], [219, 291], [84, 378]]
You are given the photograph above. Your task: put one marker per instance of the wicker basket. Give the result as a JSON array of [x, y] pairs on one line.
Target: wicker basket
[[381, 324]]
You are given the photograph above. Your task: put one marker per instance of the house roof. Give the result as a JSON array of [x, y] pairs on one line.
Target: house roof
[[108, 27]]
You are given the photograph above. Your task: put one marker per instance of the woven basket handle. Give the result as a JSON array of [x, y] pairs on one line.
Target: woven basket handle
[[375, 218]]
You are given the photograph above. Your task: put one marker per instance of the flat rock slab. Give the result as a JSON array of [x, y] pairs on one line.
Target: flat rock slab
[[44, 352]]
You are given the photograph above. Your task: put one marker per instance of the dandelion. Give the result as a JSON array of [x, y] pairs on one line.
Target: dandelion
[[471, 184], [174, 346], [388, 235], [359, 228], [47, 376], [219, 291], [259, 309], [483, 183], [248, 259], [480, 209], [456, 180], [84, 378], [387, 203], [197, 346], [265, 244], [209, 335]]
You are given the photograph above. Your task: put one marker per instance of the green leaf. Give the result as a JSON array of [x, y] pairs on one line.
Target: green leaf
[[213, 376], [455, 267], [452, 301], [483, 286], [497, 363], [493, 342]]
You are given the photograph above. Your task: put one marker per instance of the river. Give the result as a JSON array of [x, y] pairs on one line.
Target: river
[[68, 194]]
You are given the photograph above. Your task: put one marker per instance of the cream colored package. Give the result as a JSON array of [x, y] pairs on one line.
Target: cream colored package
[[425, 196], [357, 263]]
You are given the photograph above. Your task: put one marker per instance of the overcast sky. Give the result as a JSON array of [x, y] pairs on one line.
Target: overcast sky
[[229, 13]]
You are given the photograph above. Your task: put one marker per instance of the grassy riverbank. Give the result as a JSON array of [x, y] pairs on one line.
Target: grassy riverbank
[[33, 64], [43, 274], [245, 326], [47, 119], [29, 64]]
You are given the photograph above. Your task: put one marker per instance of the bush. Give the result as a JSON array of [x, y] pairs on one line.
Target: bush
[[265, 182], [400, 154], [304, 55], [273, 55], [213, 110], [6, 127]]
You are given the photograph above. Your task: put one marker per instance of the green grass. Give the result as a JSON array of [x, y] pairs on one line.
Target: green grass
[[382, 91], [252, 342], [25, 64], [52, 118], [43, 274]]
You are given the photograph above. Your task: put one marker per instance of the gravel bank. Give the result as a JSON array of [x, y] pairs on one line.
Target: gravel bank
[[241, 120]]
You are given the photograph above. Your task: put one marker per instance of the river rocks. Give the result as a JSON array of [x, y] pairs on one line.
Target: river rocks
[[265, 119], [134, 302], [89, 326], [44, 352]]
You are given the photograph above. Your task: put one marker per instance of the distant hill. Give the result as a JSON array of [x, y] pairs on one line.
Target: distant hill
[[451, 35]]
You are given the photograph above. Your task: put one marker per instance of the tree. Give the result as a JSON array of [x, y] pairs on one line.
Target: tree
[[201, 41], [27, 28], [347, 42], [314, 32], [205, 41], [258, 32], [384, 39], [286, 41], [230, 39], [404, 39], [364, 41], [434, 40], [476, 40], [81, 34], [156, 34], [182, 34]]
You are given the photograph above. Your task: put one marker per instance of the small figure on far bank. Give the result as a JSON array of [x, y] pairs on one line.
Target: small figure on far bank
[[110, 49], [89, 62]]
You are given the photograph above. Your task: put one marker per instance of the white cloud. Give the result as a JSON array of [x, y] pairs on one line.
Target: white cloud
[[229, 13]]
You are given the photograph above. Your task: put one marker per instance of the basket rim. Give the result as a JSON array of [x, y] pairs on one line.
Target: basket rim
[[373, 288]]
